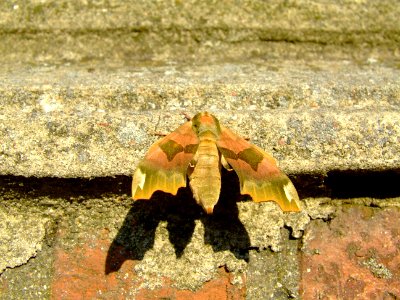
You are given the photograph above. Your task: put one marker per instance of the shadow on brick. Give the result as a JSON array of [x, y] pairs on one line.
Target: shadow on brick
[[223, 229]]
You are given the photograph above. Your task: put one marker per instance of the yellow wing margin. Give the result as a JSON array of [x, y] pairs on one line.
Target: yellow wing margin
[[165, 165]]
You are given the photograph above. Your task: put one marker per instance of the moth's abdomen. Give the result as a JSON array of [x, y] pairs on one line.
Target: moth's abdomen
[[205, 180]]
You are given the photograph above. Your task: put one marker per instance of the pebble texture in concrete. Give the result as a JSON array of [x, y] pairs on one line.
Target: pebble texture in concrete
[[82, 125], [21, 238], [63, 32]]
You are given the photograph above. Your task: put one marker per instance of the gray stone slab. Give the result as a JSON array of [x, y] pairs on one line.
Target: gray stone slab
[[78, 15], [64, 32], [73, 123]]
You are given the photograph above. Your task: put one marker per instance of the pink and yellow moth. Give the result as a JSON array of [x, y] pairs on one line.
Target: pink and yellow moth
[[198, 149]]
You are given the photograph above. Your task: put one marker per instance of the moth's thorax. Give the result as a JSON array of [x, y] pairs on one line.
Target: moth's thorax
[[208, 136], [202, 123]]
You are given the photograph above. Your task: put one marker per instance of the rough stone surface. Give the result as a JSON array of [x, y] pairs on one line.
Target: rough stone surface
[[85, 125], [274, 275], [77, 15], [31, 280], [107, 247], [65, 32], [355, 255], [21, 237]]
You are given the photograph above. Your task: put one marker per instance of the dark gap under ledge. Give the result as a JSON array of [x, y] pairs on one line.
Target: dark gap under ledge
[[337, 184]]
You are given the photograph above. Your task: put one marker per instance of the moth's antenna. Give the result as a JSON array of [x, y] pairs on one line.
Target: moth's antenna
[[186, 115]]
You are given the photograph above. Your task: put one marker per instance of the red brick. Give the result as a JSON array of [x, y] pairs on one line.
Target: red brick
[[216, 289], [336, 255], [80, 273]]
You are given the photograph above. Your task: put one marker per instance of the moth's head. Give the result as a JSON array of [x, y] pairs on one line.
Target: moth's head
[[205, 122]]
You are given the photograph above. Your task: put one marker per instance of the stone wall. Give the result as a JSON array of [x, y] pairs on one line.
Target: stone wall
[[87, 86]]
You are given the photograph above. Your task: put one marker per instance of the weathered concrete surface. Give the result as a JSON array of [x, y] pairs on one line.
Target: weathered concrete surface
[[274, 275], [31, 280], [80, 124], [62, 32], [190, 15], [21, 237]]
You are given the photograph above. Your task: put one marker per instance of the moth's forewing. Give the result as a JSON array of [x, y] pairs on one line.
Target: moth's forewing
[[165, 165], [258, 173]]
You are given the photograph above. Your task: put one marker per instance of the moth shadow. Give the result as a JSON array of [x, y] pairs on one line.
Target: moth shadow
[[223, 230], [137, 233]]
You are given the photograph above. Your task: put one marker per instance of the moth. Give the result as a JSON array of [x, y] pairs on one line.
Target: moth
[[198, 149]]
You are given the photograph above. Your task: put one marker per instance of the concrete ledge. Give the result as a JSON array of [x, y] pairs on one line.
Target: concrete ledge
[[64, 32], [338, 16], [74, 123]]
